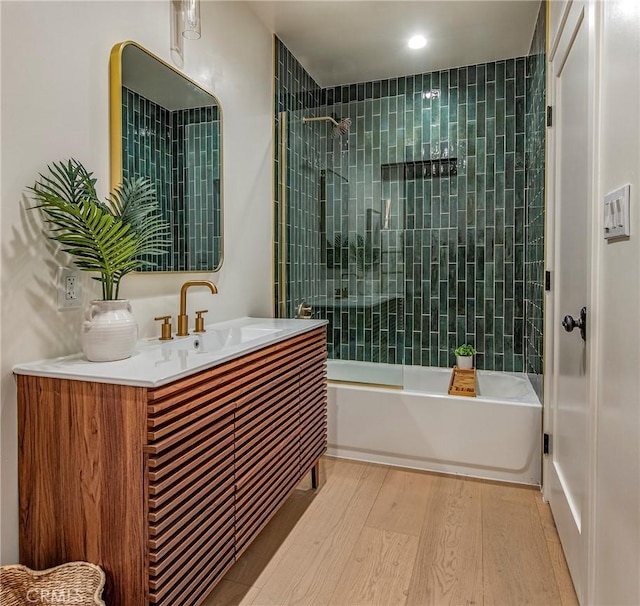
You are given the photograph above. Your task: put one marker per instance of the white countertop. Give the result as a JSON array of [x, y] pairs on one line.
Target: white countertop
[[156, 362]]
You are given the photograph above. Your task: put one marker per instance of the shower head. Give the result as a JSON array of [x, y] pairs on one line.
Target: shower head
[[339, 128]]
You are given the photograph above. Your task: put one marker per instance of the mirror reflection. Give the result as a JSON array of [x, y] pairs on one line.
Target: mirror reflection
[[169, 129]]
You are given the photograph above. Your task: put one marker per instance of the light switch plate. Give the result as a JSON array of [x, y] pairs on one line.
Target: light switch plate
[[616, 214]]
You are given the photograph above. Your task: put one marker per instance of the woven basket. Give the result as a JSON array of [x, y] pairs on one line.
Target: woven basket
[[77, 583]]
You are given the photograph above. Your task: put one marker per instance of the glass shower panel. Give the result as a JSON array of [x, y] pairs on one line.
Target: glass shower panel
[[341, 231], [300, 213], [361, 225]]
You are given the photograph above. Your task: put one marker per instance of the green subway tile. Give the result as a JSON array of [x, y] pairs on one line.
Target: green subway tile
[[500, 117], [499, 217], [471, 103], [444, 116], [490, 206], [491, 99], [471, 138], [491, 135], [509, 170], [481, 156], [520, 150], [520, 115], [481, 191], [520, 76], [499, 154], [471, 173], [510, 141], [509, 214], [508, 320], [510, 68], [499, 308], [480, 120], [510, 98], [500, 87], [481, 219]]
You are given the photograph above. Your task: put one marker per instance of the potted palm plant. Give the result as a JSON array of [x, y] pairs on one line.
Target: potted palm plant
[[111, 238]]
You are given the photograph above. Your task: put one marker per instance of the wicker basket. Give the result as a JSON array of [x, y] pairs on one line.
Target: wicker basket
[[77, 583]]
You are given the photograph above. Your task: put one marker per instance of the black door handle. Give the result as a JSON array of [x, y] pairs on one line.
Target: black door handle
[[569, 323]]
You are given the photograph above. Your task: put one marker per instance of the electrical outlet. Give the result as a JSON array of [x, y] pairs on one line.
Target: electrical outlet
[[69, 288]]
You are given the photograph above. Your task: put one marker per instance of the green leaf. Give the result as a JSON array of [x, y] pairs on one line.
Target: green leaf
[[108, 238], [465, 350], [69, 181], [135, 203]]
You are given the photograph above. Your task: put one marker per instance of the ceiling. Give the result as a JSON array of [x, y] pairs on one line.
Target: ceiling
[[342, 42]]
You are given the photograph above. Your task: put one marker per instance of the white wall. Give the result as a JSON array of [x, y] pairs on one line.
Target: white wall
[[614, 463], [617, 503], [54, 106]]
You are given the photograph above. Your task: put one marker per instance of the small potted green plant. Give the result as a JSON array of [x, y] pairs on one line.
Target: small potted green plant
[[111, 238], [464, 355]]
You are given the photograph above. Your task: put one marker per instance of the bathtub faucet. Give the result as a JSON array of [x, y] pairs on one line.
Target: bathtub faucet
[[304, 311]]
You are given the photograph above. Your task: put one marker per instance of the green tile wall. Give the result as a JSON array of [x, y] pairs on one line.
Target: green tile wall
[[461, 237], [196, 133], [450, 257], [535, 163], [176, 149], [297, 95], [356, 187], [146, 134]]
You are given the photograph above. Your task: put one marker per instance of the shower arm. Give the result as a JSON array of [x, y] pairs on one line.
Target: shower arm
[[320, 119]]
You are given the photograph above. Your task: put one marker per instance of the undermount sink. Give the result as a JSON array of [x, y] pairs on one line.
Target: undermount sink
[[219, 338]]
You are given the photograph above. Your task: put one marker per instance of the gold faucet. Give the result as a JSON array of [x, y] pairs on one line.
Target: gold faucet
[[183, 318]]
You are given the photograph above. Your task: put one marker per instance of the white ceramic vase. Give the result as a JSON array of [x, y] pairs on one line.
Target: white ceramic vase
[[109, 331], [465, 362]]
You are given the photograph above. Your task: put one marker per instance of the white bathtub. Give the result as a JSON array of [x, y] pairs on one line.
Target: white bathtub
[[496, 435]]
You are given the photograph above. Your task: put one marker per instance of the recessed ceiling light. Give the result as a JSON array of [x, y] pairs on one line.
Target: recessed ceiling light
[[417, 41]]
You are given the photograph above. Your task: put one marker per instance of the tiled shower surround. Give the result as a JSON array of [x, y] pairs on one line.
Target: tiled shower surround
[[296, 91], [534, 160], [417, 218], [177, 150]]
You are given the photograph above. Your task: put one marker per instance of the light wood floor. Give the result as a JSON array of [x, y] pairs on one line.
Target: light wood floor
[[373, 534]]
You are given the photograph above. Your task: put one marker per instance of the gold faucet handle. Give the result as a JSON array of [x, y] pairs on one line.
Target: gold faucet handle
[[200, 321], [165, 327], [304, 311]]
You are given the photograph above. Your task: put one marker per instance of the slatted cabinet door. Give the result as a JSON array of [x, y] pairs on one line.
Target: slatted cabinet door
[[191, 511], [81, 469], [267, 456], [313, 410]]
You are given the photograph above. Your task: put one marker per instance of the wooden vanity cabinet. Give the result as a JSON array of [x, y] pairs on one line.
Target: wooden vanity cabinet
[[166, 487]]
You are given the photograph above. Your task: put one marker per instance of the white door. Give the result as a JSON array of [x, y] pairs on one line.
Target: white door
[[570, 190]]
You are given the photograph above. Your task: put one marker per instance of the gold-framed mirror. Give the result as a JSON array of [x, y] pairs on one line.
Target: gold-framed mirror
[[168, 128]]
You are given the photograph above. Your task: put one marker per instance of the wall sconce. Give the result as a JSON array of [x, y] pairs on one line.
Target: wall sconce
[[191, 25], [185, 23]]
